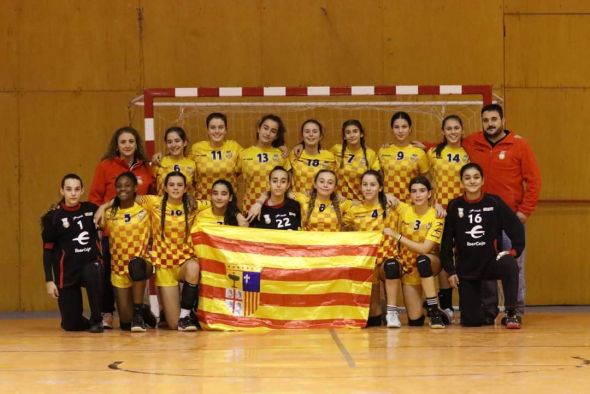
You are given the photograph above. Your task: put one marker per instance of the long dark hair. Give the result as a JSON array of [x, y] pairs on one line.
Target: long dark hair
[[400, 115], [381, 196], [281, 129], [185, 205], [333, 198], [232, 210], [181, 133], [49, 213], [444, 143], [357, 123], [116, 201], [113, 147]]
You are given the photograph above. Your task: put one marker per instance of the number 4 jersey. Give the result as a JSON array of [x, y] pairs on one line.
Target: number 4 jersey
[[473, 230]]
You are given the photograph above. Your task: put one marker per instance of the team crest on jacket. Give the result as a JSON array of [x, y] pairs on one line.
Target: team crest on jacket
[[228, 154], [460, 212], [502, 155], [414, 157], [65, 223]]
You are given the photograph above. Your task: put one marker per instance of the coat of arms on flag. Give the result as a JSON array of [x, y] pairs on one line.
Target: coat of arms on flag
[[242, 294], [255, 279]]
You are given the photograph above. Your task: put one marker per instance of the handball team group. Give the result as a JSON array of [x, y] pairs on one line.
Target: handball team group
[[453, 215]]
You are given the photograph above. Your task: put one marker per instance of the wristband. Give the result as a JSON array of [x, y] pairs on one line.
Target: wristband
[[502, 254]]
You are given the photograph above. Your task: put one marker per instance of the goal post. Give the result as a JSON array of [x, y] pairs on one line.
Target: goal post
[[353, 95]]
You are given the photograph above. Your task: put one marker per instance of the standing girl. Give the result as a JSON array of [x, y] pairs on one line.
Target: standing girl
[[176, 160], [71, 258], [257, 161], [216, 158], [445, 161], [305, 165], [401, 161], [418, 235], [353, 158]]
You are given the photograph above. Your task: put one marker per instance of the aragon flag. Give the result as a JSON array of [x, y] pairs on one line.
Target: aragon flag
[[254, 279]]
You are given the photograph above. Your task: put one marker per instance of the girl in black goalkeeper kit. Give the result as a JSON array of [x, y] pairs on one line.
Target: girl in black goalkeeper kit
[[471, 248], [71, 257]]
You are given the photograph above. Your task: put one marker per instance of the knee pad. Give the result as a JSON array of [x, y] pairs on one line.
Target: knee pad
[[139, 269], [424, 266], [392, 269], [419, 322]]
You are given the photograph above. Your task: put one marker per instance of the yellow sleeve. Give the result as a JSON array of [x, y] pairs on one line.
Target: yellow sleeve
[[149, 202], [202, 205], [423, 165], [373, 160], [434, 234]]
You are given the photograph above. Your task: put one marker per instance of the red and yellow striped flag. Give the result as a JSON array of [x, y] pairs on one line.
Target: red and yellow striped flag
[[264, 279]]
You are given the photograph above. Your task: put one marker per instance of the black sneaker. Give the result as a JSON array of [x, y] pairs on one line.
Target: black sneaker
[[489, 320], [96, 328], [138, 324], [374, 321], [148, 317], [518, 318], [436, 318], [186, 324]]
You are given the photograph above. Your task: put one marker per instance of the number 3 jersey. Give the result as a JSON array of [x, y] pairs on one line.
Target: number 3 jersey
[[286, 216], [473, 233], [70, 240], [417, 228]]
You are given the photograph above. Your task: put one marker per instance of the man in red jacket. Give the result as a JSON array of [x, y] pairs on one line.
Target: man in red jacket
[[513, 174]]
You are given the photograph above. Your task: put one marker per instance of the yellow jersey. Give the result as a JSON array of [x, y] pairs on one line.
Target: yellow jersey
[[350, 167], [305, 166], [168, 164], [129, 234], [213, 163], [255, 164], [445, 173], [400, 165]]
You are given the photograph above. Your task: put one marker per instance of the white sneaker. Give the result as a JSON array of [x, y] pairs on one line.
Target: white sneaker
[[392, 320], [450, 315], [107, 320]]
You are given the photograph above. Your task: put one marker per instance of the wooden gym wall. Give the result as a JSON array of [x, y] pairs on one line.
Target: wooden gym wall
[[70, 67]]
